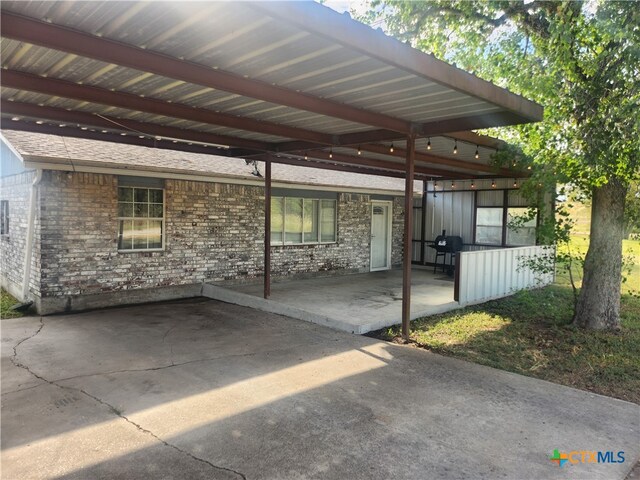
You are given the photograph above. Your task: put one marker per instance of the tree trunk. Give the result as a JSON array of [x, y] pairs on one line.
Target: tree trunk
[[599, 301]]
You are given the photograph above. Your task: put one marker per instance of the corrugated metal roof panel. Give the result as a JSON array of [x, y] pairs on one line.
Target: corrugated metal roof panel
[[241, 39], [253, 46]]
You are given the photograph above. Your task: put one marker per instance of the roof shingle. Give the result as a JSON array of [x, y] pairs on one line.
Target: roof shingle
[[68, 150]]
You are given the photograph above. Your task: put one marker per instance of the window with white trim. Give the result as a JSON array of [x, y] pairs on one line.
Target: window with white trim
[[503, 218], [140, 218], [521, 226], [296, 221], [4, 217], [489, 225]]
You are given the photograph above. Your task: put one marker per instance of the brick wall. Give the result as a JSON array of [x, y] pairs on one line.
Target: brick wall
[[16, 189], [214, 233], [397, 231]]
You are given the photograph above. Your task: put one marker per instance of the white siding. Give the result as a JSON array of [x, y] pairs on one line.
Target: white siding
[[489, 274]]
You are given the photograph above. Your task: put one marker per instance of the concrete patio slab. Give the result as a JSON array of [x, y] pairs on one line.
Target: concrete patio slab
[[203, 389], [356, 303]]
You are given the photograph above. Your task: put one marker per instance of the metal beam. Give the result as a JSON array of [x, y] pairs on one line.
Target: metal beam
[[428, 158], [423, 222], [408, 236], [80, 43], [106, 122], [132, 139], [133, 127], [129, 139], [375, 163], [342, 29], [62, 88], [422, 157], [481, 140], [443, 127], [267, 229], [330, 165]]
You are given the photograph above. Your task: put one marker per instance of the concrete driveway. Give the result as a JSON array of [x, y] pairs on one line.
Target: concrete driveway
[[202, 389]]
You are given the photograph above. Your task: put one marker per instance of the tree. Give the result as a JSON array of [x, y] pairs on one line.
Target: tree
[[581, 61], [632, 209]]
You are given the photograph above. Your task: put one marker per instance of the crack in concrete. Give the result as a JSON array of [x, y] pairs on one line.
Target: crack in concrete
[[14, 357], [164, 337], [161, 440], [172, 365], [111, 408], [23, 389]]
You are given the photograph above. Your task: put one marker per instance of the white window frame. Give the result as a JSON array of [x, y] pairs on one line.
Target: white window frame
[[501, 226], [534, 228], [162, 220], [284, 243]]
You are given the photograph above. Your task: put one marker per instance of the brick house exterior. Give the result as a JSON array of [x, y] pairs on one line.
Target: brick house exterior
[[213, 227]]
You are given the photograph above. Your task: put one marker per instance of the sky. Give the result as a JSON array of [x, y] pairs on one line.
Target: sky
[[360, 6]]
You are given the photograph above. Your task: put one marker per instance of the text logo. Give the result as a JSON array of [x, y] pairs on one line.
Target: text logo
[[559, 458], [584, 456]]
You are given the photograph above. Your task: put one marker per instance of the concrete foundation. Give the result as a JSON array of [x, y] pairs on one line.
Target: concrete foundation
[[352, 303], [78, 303]]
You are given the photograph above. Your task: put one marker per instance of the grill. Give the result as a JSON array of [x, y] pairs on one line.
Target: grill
[[446, 244]]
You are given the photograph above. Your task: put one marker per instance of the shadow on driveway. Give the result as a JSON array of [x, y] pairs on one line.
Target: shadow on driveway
[[203, 389]]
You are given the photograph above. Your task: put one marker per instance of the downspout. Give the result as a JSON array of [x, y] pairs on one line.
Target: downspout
[[31, 226]]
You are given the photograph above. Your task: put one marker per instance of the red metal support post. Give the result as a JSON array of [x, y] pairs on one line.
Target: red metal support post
[[408, 234], [267, 229], [423, 222]]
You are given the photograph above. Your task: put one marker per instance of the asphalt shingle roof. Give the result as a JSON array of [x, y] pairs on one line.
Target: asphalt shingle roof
[[59, 149]]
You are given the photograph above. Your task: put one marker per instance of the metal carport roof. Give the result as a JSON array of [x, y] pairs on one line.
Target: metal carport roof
[[290, 77], [287, 82]]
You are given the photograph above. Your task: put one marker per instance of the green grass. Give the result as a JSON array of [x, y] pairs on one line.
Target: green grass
[[530, 333], [6, 302], [630, 251]]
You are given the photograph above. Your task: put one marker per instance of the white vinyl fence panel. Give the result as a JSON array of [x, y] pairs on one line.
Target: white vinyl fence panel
[[489, 274]]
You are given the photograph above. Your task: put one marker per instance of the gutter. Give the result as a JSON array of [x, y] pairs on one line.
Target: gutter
[[31, 226]]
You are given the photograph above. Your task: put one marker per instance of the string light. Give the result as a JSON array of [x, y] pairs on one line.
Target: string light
[[515, 182], [477, 153], [429, 144], [331, 153], [359, 151], [306, 157], [455, 147], [493, 184], [529, 167], [473, 184], [391, 148]]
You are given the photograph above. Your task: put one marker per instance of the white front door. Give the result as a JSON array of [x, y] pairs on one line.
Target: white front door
[[380, 236]]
